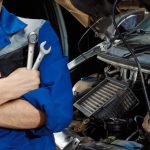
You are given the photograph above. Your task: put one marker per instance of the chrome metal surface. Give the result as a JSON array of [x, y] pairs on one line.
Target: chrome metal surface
[[86, 55], [122, 65], [66, 140]]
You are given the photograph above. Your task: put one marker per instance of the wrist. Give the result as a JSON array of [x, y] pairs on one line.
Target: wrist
[[5, 90]]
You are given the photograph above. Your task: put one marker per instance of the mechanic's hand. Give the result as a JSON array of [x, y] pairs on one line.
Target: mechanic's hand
[[146, 123], [22, 81]]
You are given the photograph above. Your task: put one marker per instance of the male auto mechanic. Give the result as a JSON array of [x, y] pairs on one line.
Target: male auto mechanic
[[33, 104]]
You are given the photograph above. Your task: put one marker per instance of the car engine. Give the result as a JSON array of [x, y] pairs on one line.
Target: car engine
[[109, 104]]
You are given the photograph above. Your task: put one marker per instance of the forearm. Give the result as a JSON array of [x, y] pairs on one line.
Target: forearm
[[20, 114], [5, 91], [18, 83]]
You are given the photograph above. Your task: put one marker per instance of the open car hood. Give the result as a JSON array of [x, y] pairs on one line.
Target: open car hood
[[82, 17], [83, 9]]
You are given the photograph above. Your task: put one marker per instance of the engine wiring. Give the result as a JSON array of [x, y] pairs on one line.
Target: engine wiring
[[79, 42], [131, 50], [134, 32]]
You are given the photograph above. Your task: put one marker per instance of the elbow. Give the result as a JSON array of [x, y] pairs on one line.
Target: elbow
[[63, 122], [60, 115], [60, 121], [64, 115]]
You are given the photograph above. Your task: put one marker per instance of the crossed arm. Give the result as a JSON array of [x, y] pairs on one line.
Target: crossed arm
[[14, 112], [20, 114]]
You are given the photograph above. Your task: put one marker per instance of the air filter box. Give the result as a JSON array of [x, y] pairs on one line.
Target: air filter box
[[109, 99]]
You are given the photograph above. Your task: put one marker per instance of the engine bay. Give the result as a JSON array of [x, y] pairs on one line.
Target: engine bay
[[109, 103]]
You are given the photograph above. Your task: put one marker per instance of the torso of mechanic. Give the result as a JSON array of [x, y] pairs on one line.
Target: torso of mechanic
[[33, 104]]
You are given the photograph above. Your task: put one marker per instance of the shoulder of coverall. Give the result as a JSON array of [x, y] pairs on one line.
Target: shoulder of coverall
[[20, 38], [14, 31]]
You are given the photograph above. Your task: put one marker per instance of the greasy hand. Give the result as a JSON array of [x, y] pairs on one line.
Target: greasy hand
[[146, 123], [22, 81]]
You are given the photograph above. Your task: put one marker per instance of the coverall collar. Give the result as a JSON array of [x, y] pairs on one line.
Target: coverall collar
[[9, 24]]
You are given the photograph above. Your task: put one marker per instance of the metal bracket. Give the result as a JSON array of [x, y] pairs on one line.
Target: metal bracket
[[129, 75], [86, 55]]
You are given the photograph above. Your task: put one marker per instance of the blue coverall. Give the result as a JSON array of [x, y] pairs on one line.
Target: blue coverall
[[54, 96]]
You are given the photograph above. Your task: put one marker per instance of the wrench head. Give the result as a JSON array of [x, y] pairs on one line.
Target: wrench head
[[33, 38], [43, 50]]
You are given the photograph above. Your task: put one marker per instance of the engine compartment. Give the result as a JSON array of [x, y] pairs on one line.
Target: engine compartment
[[109, 104], [119, 119]]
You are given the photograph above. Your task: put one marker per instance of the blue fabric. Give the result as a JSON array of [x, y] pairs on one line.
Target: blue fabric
[[9, 24], [54, 97], [129, 145]]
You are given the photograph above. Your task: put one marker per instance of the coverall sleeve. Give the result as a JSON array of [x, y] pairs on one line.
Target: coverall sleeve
[[54, 96]]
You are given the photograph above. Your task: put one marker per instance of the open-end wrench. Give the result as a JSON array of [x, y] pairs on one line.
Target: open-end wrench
[[32, 39], [41, 55]]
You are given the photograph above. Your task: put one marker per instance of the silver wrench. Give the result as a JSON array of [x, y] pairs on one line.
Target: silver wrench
[[41, 55], [32, 39]]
